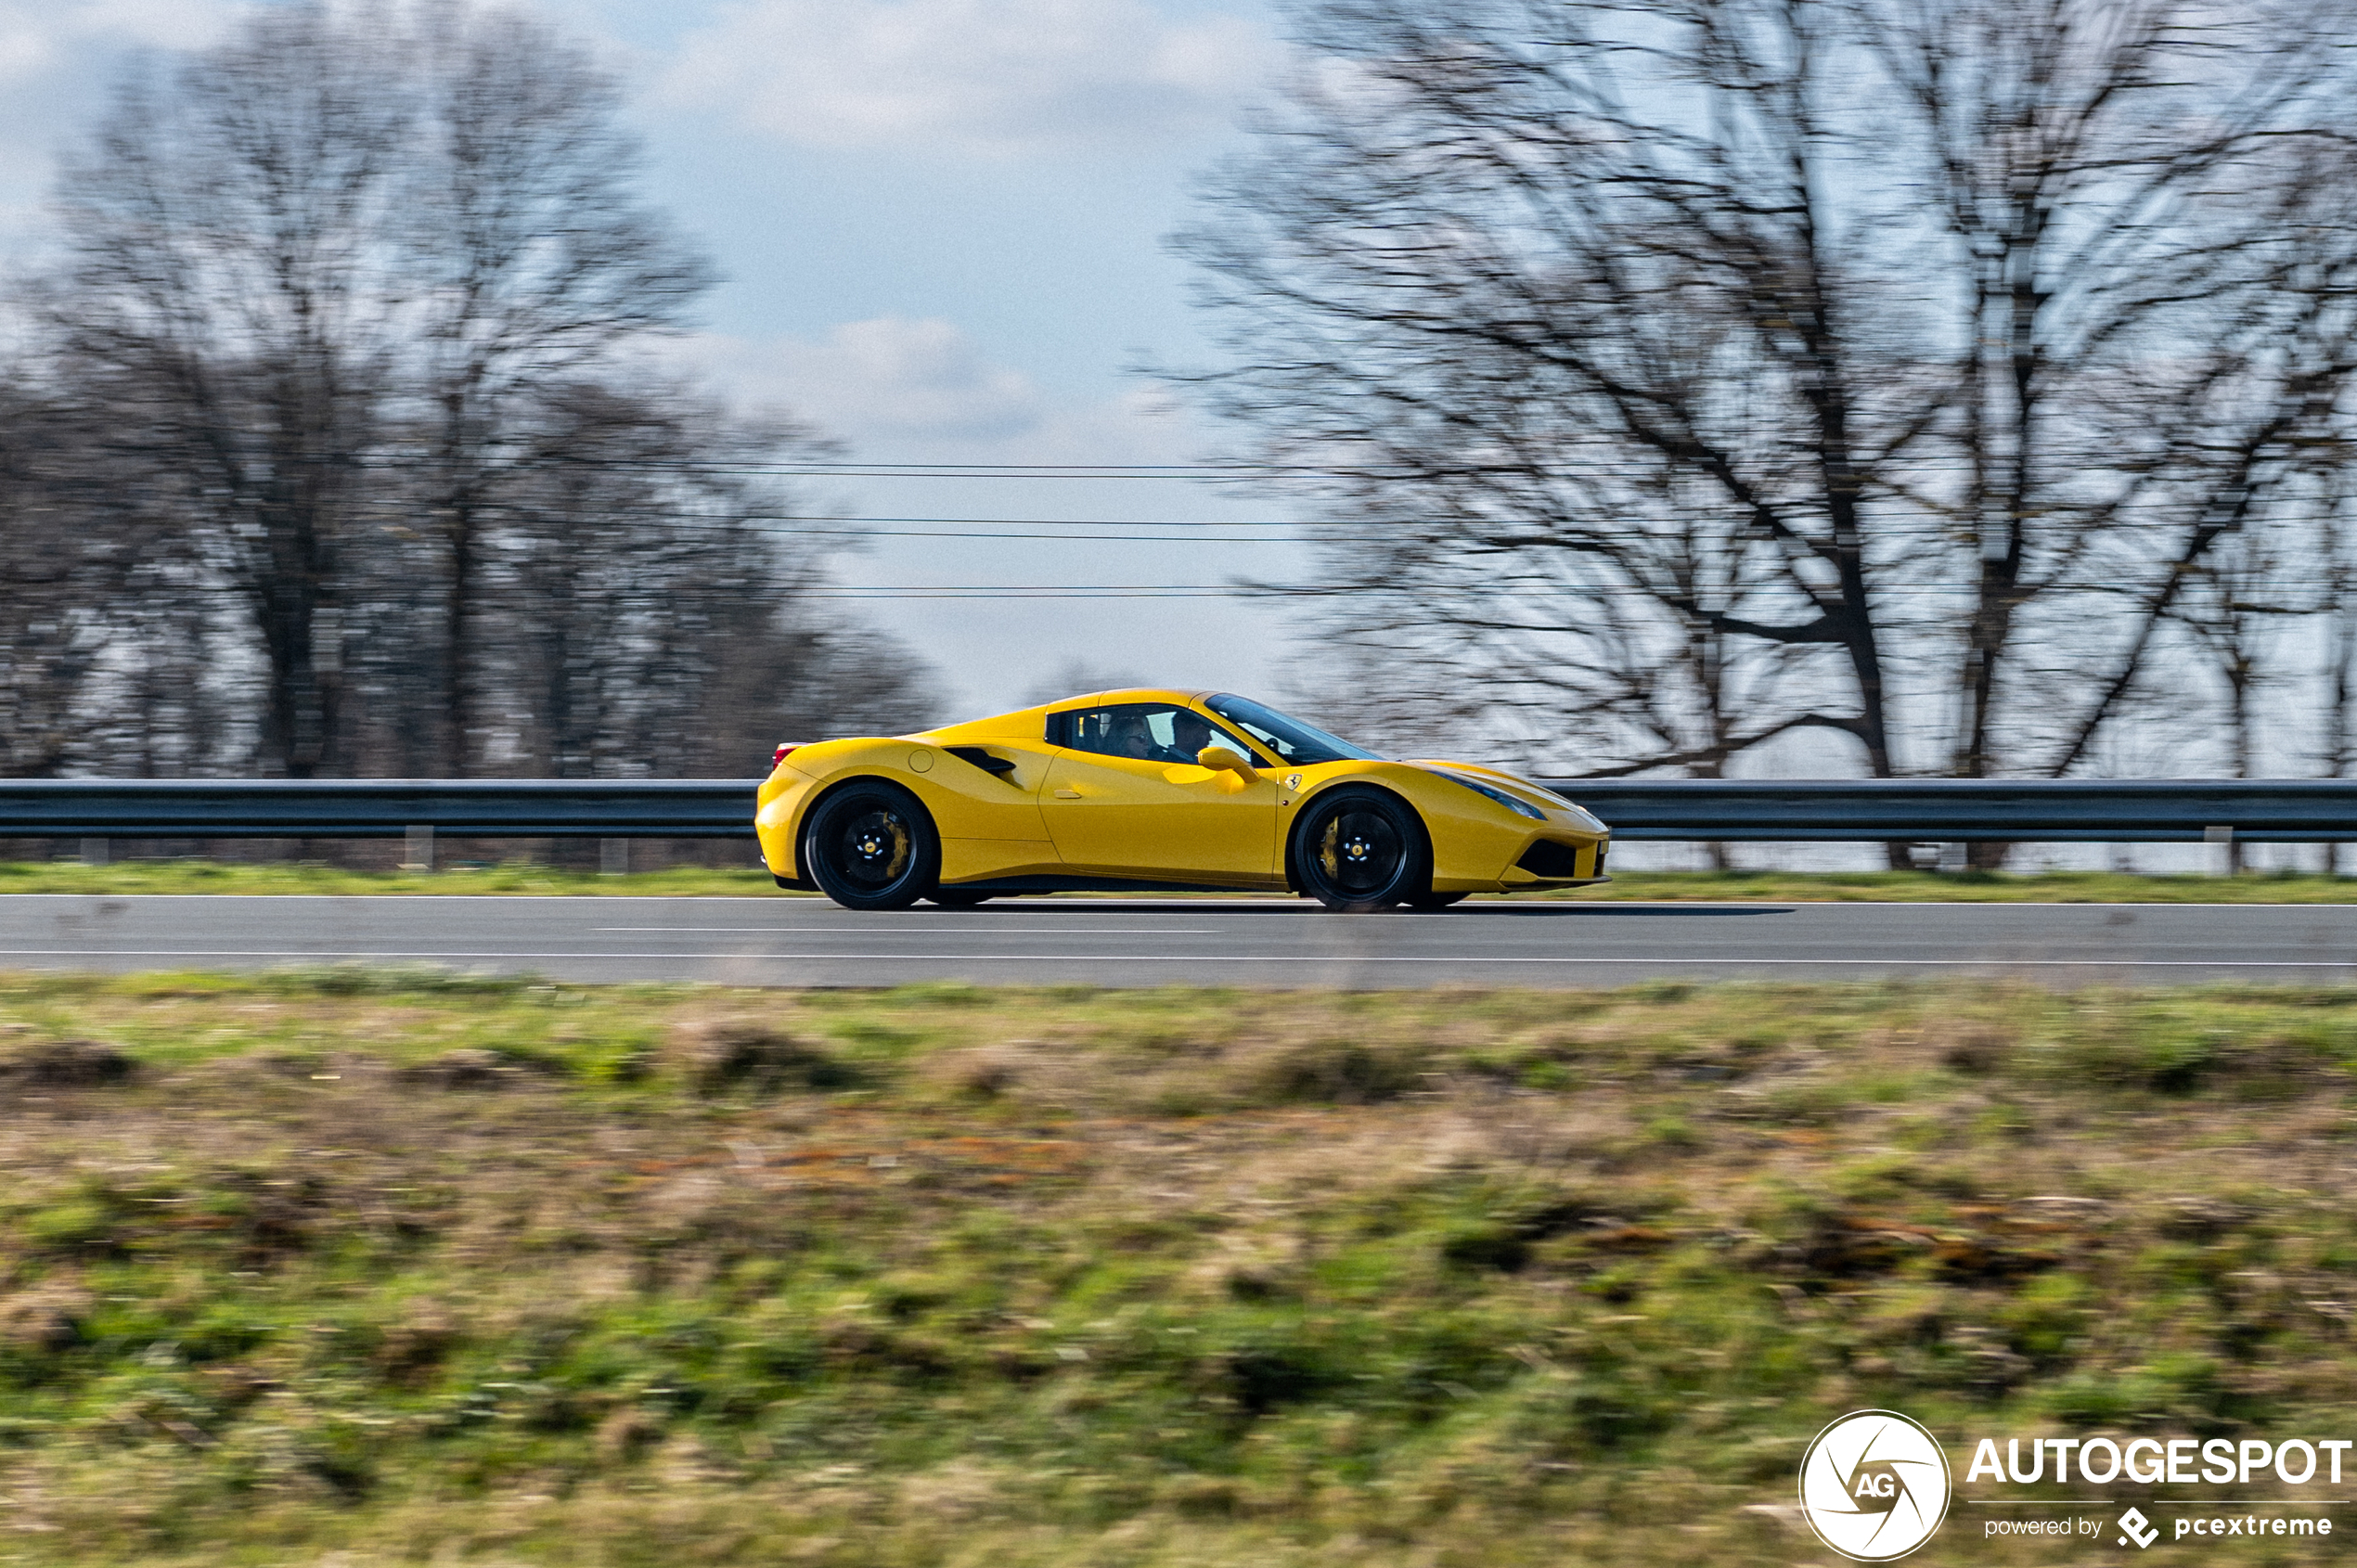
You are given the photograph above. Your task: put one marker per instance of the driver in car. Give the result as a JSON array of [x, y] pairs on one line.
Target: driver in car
[[1189, 735]]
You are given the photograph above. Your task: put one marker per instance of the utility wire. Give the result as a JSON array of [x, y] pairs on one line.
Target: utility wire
[[1061, 522], [854, 469], [1321, 530], [1246, 590], [1026, 591], [1068, 538]]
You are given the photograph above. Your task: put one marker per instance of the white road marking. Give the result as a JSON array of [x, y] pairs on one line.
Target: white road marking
[[932, 930], [1716, 960], [1262, 904]]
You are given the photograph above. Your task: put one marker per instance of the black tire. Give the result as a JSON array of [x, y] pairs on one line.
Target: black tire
[[1360, 850], [1432, 903], [956, 898], [869, 846]]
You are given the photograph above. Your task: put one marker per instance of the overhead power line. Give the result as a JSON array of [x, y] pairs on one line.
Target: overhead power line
[[1044, 590], [1065, 521], [1010, 534], [1248, 590], [1321, 530]]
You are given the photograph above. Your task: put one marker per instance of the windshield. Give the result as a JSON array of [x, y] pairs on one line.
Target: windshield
[[1293, 741]]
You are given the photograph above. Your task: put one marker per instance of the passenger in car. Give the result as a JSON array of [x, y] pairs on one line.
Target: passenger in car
[[1130, 737]]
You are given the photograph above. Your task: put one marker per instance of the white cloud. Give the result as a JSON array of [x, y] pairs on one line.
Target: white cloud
[[899, 390], [989, 77], [889, 380], [37, 39], [56, 61]]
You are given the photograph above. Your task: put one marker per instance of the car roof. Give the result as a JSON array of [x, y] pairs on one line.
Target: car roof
[[1029, 723], [1128, 694]]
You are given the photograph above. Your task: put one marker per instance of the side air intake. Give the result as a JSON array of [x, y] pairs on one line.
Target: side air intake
[[1550, 859], [986, 761]]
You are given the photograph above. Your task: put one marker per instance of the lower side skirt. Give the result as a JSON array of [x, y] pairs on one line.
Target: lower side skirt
[[1010, 885], [1102, 884]]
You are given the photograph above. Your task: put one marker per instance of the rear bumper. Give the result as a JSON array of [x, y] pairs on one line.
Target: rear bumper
[[775, 821]]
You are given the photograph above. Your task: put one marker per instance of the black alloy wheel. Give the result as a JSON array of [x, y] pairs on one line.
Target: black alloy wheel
[[1432, 903], [872, 846], [956, 898], [1359, 850]]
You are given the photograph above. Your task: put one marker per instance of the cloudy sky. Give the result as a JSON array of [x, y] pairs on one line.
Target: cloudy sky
[[942, 223]]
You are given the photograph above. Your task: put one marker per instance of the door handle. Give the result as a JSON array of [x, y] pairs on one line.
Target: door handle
[[1068, 794]]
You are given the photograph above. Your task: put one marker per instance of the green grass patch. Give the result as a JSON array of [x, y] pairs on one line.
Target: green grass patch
[[525, 878], [1973, 887], [393, 1266]]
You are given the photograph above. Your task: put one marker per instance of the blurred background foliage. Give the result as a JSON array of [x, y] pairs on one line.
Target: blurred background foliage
[[1945, 387], [339, 445]]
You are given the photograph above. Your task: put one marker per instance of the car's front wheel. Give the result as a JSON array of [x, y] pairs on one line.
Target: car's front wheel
[[870, 846], [1359, 850]]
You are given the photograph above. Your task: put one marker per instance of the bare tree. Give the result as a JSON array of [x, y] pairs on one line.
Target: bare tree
[[642, 619], [2340, 656], [64, 565], [2239, 605], [346, 305], [533, 259], [228, 281], [1700, 376]]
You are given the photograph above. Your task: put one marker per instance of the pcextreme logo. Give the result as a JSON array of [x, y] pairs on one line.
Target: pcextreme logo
[[1873, 1486]]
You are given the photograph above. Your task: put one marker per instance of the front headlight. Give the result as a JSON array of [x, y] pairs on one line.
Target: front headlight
[[1503, 799]]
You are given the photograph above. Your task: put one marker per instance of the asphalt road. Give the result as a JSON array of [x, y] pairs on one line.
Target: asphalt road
[[1274, 942]]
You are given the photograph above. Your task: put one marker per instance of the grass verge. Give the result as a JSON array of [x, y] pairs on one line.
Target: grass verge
[[410, 1268], [691, 882]]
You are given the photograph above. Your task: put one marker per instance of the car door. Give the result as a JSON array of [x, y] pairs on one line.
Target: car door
[[1124, 798]]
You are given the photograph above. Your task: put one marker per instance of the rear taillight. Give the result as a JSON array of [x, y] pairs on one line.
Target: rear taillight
[[783, 752]]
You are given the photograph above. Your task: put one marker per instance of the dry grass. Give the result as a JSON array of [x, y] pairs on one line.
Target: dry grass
[[405, 1269]]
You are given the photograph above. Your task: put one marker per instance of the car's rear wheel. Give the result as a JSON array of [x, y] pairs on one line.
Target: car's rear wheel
[[1361, 850], [869, 846], [956, 898], [1433, 901]]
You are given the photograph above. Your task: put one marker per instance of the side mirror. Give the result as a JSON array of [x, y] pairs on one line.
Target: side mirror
[[1223, 759]]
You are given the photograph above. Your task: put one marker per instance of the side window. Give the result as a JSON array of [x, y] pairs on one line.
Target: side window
[[1152, 732]]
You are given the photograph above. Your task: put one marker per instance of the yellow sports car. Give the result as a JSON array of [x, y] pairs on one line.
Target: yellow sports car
[[1158, 790]]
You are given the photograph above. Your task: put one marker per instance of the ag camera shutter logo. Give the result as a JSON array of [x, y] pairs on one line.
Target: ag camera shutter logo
[[1873, 1486]]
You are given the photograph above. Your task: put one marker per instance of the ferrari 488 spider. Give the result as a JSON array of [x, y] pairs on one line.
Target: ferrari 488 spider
[[1158, 790]]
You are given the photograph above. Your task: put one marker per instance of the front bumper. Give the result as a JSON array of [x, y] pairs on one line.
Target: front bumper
[[1550, 862]]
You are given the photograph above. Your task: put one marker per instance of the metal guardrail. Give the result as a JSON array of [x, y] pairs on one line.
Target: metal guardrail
[[2097, 811], [377, 808], [1953, 810]]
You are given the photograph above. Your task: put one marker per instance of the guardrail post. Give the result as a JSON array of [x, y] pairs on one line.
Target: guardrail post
[[417, 847], [93, 851], [2221, 854], [613, 857]]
